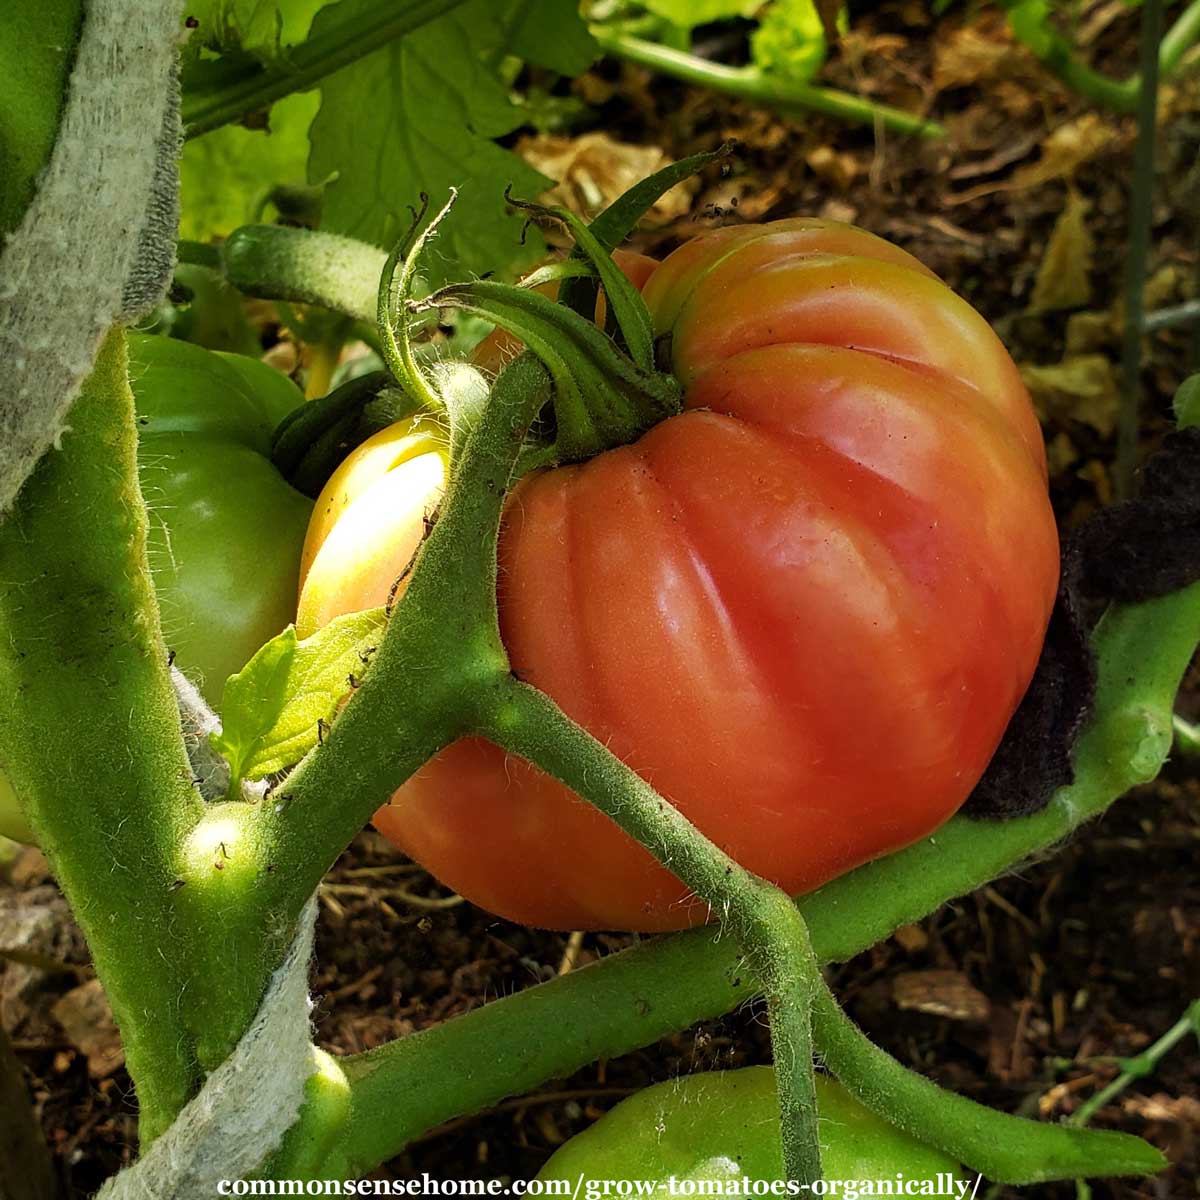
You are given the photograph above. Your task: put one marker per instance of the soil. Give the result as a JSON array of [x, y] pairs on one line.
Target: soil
[[1020, 996]]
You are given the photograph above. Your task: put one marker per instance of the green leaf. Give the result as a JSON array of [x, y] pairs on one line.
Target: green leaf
[[253, 700], [273, 707], [260, 27], [421, 115], [790, 40], [689, 13], [225, 175], [551, 34]]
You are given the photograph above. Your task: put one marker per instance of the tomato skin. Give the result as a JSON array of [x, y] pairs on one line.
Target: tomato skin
[[225, 528], [722, 1125], [804, 610]]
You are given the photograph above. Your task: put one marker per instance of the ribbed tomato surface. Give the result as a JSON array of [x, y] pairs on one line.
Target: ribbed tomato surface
[[805, 609]]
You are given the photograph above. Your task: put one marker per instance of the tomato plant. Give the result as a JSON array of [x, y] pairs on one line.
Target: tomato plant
[[845, 539], [722, 1125], [225, 529], [729, 583]]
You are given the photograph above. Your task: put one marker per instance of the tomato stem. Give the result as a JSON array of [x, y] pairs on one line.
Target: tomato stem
[[766, 924], [277, 262], [83, 670], [1006, 1149]]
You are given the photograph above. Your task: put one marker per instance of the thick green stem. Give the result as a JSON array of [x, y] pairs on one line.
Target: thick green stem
[[633, 998], [753, 84], [1004, 1148], [1138, 254], [251, 868], [761, 919], [277, 262], [83, 670], [247, 87]]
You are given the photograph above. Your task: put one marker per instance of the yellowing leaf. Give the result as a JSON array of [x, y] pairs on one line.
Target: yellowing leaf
[[1065, 150], [1080, 388], [1063, 278]]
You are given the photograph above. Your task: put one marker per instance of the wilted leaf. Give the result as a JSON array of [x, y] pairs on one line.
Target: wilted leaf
[[1065, 150], [593, 170], [290, 686], [1080, 388], [972, 55], [1064, 275]]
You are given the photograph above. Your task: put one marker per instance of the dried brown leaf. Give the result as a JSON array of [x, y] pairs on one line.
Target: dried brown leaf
[[87, 1019], [1064, 274], [942, 993], [593, 170]]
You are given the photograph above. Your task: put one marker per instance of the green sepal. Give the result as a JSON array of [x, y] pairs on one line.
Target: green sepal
[[620, 218], [310, 442], [602, 399], [628, 316]]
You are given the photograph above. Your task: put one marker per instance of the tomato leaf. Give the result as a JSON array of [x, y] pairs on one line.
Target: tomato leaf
[[422, 114], [225, 175], [791, 39], [253, 700], [274, 707]]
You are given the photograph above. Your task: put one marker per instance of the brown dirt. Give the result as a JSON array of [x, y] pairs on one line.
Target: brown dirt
[[1091, 954]]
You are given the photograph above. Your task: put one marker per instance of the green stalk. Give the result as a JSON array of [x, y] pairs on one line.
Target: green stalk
[[1178, 40], [83, 670], [277, 262], [753, 84], [251, 868], [1142, 1065], [1004, 1148], [633, 998], [763, 921], [1138, 254], [249, 86]]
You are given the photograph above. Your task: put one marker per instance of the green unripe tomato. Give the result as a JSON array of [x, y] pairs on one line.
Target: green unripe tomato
[[226, 529], [724, 1125]]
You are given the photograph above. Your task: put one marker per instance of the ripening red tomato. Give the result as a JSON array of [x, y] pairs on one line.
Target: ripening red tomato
[[805, 609]]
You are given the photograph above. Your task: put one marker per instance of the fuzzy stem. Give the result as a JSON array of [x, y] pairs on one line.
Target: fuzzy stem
[[277, 262], [1006, 1149], [753, 84], [1142, 1065], [442, 642], [249, 87], [763, 921], [83, 670]]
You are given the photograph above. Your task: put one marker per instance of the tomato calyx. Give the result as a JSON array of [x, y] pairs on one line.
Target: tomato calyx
[[602, 398]]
